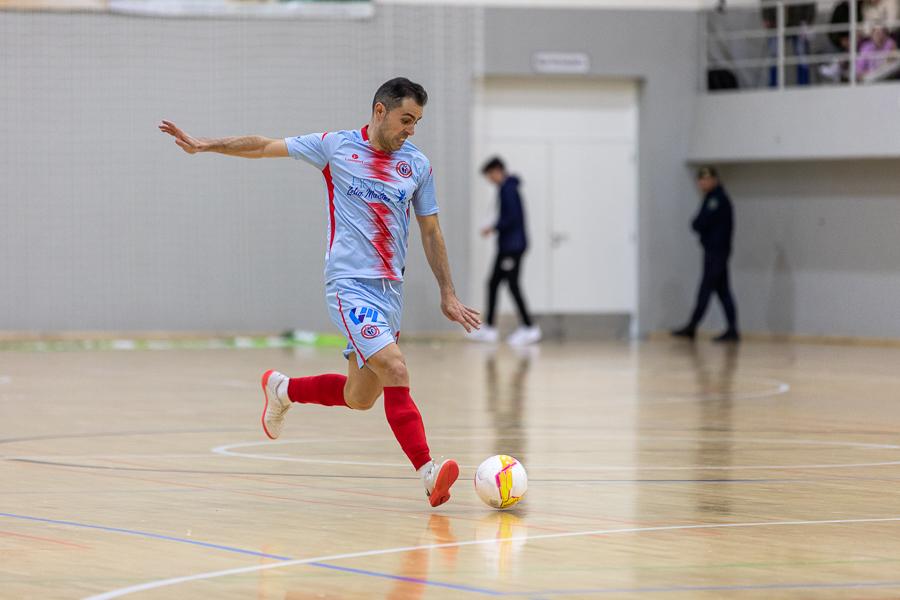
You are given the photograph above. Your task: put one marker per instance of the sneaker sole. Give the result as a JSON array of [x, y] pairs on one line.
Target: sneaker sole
[[447, 476], [265, 381]]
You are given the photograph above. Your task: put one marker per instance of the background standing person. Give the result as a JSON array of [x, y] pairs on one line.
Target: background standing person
[[374, 177], [512, 242], [715, 226]]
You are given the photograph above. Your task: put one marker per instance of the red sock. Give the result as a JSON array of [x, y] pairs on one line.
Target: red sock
[[406, 423], [327, 390]]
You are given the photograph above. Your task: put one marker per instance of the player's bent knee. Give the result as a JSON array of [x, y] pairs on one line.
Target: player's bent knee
[[361, 403], [361, 397], [395, 372]]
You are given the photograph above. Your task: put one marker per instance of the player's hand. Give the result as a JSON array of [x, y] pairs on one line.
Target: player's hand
[[189, 144], [486, 231], [458, 312]]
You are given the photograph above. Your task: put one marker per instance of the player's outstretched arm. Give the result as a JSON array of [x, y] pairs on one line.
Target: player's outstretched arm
[[436, 252], [247, 146]]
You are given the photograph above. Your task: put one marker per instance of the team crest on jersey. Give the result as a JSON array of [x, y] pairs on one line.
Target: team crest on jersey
[[370, 331], [403, 169]]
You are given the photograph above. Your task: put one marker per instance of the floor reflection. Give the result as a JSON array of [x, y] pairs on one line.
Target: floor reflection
[[507, 395], [714, 372], [409, 579], [510, 530]]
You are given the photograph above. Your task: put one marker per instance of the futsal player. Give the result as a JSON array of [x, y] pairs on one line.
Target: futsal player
[[373, 177]]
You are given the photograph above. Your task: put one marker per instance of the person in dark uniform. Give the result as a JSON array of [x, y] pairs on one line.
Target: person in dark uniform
[[512, 242], [714, 224]]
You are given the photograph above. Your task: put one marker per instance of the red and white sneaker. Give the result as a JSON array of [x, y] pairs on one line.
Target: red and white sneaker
[[438, 479], [275, 408]]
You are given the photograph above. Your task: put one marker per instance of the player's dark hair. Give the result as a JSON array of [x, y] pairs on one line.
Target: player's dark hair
[[493, 163], [391, 93]]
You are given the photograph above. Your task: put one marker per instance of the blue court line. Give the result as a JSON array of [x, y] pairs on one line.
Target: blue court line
[[450, 586], [534, 594], [168, 538], [147, 534]]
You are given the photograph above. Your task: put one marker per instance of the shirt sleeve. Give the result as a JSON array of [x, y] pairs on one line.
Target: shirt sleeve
[[314, 148], [424, 200]]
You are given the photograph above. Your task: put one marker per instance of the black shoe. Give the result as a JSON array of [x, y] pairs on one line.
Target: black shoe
[[685, 332], [729, 336]]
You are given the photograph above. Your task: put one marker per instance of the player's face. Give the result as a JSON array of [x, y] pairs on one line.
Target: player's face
[[398, 124]]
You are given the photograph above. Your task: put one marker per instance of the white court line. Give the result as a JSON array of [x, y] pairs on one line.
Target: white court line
[[150, 585], [5, 379], [70, 457], [226, 450], [780, 388]]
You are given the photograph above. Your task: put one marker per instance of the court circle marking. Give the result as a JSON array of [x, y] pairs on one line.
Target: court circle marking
[[227, 450], [159, 583]]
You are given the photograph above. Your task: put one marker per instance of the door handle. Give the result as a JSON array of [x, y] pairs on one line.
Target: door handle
[[557, 239]]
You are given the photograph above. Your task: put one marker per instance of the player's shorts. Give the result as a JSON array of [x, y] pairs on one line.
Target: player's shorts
[[367, 312]]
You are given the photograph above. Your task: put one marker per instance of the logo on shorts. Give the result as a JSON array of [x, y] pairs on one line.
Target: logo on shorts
[[403, 169], [370, 331], [359, 315]]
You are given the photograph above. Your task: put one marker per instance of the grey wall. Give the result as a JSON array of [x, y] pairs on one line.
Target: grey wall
[[798, 124], [108, 226], [817, 247], [658, 48]]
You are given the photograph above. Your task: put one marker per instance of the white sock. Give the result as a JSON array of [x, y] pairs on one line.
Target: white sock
[[425, 469], [282, 390]]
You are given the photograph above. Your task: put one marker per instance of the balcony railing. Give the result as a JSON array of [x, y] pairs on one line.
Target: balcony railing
[[784, 43]]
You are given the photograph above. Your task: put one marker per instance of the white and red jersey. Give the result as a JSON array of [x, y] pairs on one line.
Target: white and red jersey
[[369, 198]]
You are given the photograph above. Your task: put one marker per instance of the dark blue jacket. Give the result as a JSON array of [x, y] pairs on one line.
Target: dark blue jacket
[[511, 238], [715, 222]]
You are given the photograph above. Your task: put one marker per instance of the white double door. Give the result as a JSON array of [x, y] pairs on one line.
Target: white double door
[[574, 146]]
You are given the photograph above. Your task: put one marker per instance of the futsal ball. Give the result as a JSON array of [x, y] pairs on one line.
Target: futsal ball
[[501, 481]]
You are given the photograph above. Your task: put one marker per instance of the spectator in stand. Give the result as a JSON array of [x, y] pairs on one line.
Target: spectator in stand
[[883, 12], [875, 51], [799, 16], [838, 70]]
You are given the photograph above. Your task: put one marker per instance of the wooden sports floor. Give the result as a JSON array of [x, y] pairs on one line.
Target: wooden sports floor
[[657, 470]]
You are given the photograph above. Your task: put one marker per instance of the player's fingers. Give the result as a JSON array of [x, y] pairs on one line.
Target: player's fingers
[[471, 316], [460, 317]]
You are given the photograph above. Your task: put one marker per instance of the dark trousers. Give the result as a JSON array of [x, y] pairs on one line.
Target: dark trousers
[[715, 279], [506, 267]]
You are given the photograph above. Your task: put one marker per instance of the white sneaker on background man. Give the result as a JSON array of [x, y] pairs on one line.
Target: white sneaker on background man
[[523, 336], [486, 334]]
